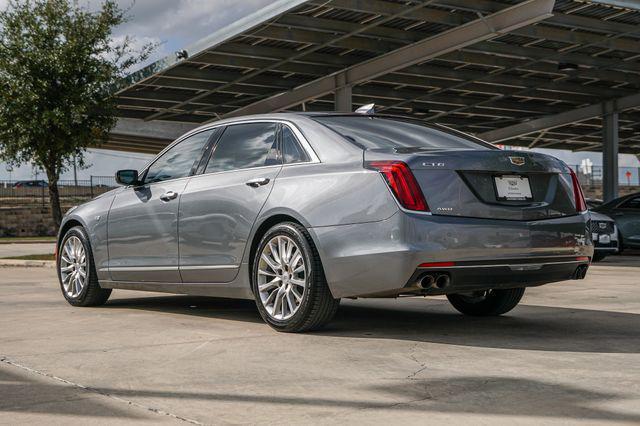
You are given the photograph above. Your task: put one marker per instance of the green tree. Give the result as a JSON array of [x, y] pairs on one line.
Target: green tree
[[59, 68]]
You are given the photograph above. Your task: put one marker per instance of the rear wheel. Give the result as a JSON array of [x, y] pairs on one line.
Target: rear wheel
[[288, 282], [487, 302], [77, 272]]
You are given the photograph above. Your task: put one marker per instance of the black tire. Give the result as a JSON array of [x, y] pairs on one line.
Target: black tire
[[597, 257], [317, 306], [492, 303], [92, 294], [620, 243]]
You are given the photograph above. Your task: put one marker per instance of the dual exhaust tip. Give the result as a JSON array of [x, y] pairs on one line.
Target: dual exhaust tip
[[434, 281], [580, 272]]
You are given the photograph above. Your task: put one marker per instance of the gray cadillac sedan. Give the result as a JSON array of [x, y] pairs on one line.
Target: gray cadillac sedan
[[299, 210]]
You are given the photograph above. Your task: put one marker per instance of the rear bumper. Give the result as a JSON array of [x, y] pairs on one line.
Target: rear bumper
[[380, 258], [500, 274]]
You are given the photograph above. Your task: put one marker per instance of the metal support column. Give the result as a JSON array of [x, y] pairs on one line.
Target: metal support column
[[343, 95], [610, 140]]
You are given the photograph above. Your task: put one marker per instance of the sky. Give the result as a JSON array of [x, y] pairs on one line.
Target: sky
[[174, 25]]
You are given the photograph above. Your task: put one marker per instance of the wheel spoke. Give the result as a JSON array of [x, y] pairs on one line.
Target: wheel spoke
[[270, 262], [267, 273], [277, 303], [273, 283], [296, 259], [274, 252], [298, 282], [78, 285], [67, 250], [290, 303], [296, 295], [290, 248]]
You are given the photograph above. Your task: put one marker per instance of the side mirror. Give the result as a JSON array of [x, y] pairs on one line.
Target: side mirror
[[127, 177]]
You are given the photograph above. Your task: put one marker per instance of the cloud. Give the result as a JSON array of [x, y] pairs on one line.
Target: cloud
[[175, 24], [179, 23]]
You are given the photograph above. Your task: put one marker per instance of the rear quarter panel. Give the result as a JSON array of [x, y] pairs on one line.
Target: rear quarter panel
[[329, 195]]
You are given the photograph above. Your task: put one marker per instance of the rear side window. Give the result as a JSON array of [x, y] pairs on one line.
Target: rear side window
[[391, 133], [292, 151], [243, 146]]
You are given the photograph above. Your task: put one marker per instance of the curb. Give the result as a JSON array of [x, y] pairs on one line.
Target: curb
[[7, 263]]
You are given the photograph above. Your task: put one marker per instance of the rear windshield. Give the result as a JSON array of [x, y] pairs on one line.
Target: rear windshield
[[391, 132]]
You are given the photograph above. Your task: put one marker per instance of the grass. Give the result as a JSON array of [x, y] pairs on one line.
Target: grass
[[32, 257], [26, 239]]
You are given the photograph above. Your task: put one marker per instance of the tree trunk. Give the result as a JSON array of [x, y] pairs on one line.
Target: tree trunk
[[54, 200]]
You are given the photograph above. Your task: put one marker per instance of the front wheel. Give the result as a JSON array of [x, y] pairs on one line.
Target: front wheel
[[288, 282], [77, 272], [487, 302]]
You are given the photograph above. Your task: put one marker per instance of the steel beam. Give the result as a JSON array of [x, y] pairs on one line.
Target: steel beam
[[166, 130], [610, 144], [626, 4], [343, 98], [550, 122], [490, 26]]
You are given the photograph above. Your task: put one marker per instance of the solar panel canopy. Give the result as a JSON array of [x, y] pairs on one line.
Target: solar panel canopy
[[583, 54]]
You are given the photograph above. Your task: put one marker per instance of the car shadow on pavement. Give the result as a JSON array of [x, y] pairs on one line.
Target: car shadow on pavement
[[24, 393], [465, 394], [527, 327], [210, 307]]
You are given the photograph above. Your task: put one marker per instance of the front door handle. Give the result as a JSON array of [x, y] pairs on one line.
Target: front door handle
[[168, 196], [254, 183]]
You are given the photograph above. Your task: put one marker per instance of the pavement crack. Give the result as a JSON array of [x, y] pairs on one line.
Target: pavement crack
[[423, 365], [7, 361]]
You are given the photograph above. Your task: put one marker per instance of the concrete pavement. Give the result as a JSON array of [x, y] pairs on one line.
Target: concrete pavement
[[569, 354]]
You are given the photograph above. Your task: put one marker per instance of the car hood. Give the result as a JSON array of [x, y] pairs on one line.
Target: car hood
[[600, 217]]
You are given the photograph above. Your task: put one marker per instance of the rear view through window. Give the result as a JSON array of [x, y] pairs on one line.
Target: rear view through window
[[391, 132]]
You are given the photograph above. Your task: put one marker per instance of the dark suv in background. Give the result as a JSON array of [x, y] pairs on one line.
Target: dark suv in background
[[625, 211]]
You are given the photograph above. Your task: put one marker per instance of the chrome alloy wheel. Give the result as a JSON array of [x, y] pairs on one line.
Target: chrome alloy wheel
[[73, 267], [282, 277]]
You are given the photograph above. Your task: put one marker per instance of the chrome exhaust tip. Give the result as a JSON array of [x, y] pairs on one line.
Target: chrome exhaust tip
[[426, 281], [442, 281]]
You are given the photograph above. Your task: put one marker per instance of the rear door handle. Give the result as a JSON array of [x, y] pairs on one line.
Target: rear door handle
[[254, 183], [168, 196]]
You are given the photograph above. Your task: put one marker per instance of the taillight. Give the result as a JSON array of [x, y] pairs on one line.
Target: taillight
[[581, 204], [402, 183]]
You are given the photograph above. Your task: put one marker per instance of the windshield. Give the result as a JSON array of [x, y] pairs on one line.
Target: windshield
[[370, 132]]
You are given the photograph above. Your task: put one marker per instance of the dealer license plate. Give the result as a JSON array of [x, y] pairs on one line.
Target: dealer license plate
[[513, 187]]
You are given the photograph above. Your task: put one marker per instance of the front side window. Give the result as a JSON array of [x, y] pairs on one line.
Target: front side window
[[292, 151], [243, 146], [178, 161], [370, 132]]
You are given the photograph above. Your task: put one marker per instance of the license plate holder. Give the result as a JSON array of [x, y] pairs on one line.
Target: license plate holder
[[512, 188], [604, 239]]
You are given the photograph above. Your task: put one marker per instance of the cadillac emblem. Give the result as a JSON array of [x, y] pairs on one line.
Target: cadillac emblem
[[518, 161]]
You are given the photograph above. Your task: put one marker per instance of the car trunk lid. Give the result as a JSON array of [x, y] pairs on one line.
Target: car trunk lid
[[497, 184]]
